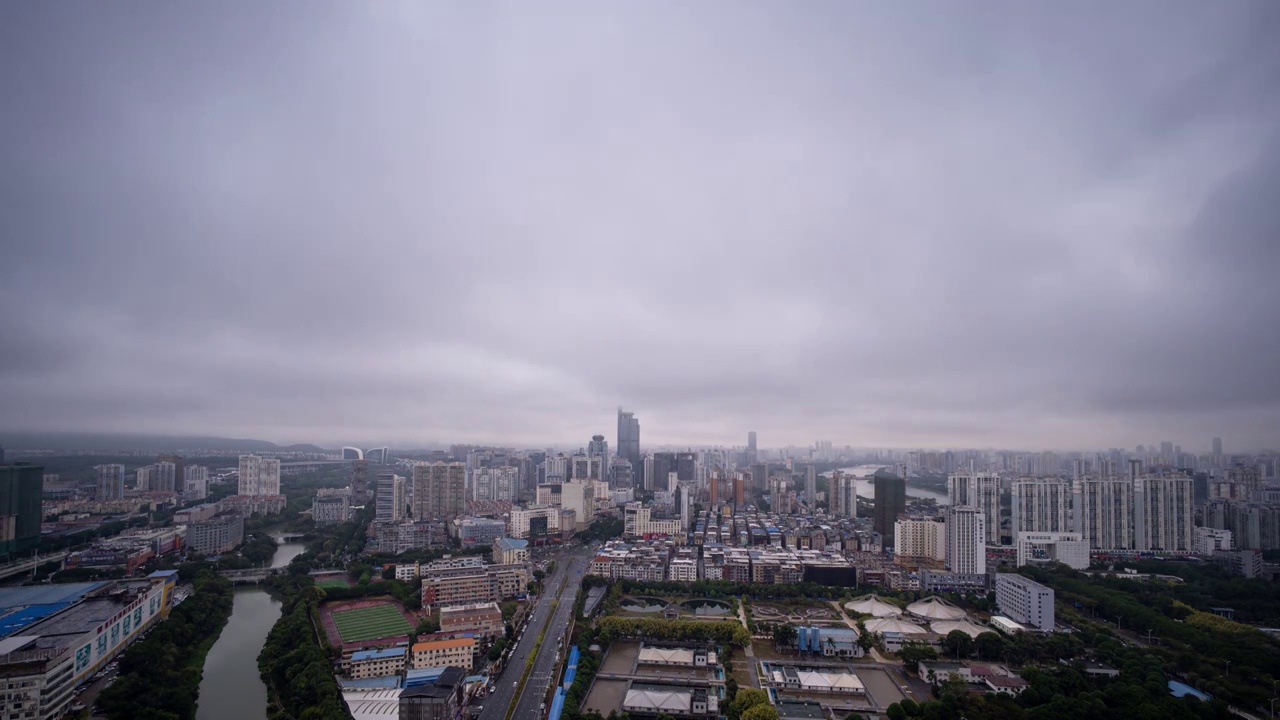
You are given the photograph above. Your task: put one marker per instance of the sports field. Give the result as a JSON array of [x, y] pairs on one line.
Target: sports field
[[332, 584], [371, 623]]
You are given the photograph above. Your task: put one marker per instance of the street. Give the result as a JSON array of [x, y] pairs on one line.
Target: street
[[569, 562]]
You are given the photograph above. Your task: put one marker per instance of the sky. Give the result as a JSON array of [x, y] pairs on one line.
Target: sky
[[930, 224]]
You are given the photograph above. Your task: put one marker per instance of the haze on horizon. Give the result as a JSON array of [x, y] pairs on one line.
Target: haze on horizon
[[1012, 224]]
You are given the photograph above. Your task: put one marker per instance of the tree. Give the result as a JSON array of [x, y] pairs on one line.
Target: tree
[[748, 698], [895, 712], [990, 645], [784, 635], [957, 643], [913, 653], [761, 712]]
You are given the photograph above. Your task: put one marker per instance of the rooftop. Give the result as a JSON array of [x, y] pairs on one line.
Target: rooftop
[[511, 544], [382, 654], [443, 644]]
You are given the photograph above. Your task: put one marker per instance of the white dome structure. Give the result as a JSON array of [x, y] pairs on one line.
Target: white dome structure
[[874, 606], [890, 625], [935, 608], [943, 627]]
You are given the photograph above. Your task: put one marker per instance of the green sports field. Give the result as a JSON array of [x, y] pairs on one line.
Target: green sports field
[[370, 623]]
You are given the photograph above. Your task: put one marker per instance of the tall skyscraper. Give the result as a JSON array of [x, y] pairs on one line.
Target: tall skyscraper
[[1163, 513], [259, 475], [110, 482], [664, 463], [359, 482], [751, 448], [179, 472], [21, 491], [439, 490], [599, 448], [811, 487], [686, 466], [494, 483], [166, 478], [843, 499], [980, 490], [966, 540], [1041, 505], [891, 500], [389, 501], [629, 441], [1217, 452], [144, 478]]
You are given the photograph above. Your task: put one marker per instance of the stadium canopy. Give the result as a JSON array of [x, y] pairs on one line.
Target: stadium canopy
[[935, 608], [873, 605]]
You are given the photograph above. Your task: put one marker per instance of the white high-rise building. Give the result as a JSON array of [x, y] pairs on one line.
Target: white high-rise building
[[843, 500], [982, 491], [145, 478], [920, 539], [1039, 547], [259, 475], [110, 482], [389, 501], [578, 496], [1104, 512], [966, 540], [195, 484], [166, 476], [1041, 505], [1163, 513]]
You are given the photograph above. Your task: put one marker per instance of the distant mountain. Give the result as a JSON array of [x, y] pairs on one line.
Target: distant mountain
[[103, 442]]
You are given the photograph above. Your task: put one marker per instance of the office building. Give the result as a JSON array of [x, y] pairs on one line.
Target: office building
[[966, 540], [658, 470], [1163, 513], [439, 490], [483, 619], [920, 539], [259, 475], [1104, 513], [195, 483], [811, 488], [359, 481], [390, 501], [475, 532], [978, 490], [843, 498], [752, 454], [21, 495], [330, 509], [510, 551], [638, 523], [1024, 600], [599, 448], [891, 500], [1041, 505], [110, 482], [534, 522], [215, 536], [628, 445], [1207, 540], [1043, 547]]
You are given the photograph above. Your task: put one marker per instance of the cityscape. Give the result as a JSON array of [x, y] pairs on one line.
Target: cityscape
[[581, 360]]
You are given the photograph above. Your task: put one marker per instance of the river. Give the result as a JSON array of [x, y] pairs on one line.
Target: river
[[231, 687], [867, 485]]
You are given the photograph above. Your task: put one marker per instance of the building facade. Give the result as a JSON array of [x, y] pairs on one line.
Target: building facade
[[891, 500], [1025, 600], [981, 491], [259, 475], [110, 482], [926, 539], [220, 534], [1041, 505], [966, 540], [21, 497], [439, 490]]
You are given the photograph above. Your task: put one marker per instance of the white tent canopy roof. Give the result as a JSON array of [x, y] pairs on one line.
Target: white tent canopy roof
[[935, 608], [873, 605]]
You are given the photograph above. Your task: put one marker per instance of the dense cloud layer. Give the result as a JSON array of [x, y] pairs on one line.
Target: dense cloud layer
[[1030, 226]]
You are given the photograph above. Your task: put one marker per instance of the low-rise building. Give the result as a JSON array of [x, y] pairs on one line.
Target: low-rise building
[[437, 700], [816, 680], [375, 663], [457, 652], [510, 551], [677, 656], [477, 532], [677, 701]]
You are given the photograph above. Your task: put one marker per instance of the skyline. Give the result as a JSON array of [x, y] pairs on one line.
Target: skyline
[[888, 227]]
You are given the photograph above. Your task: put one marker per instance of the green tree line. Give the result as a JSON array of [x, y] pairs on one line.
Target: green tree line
[[294, 663]]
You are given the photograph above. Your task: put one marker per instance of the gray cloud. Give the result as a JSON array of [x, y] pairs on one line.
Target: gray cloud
[[1011, 225]]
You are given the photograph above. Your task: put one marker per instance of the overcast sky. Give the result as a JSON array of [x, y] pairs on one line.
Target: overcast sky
[[1036, 225]]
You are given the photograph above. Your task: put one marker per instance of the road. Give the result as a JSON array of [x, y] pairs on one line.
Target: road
[[528, 705]]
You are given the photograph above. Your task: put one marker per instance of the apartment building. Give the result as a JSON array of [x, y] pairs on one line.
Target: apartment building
[[457, 652], [1025, 600]]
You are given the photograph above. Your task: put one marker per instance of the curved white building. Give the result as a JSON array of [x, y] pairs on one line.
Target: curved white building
[[873, 605], [935, 608], [973, 630], [891, 625]]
